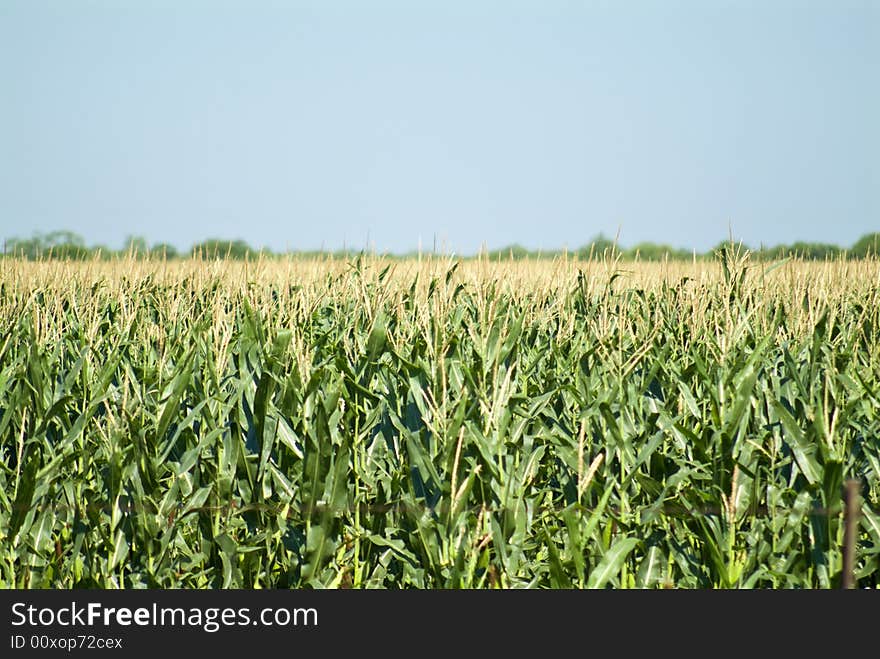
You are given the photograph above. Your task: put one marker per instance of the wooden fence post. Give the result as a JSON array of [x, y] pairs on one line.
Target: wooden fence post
[[850, 532]]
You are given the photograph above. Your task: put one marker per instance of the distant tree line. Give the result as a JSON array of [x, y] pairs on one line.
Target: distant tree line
[[68, 245], [602, 246]]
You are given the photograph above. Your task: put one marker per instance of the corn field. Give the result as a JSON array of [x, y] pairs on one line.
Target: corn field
[[436, 423]]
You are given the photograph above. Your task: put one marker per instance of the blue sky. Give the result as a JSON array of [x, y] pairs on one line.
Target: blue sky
[[378, 124]]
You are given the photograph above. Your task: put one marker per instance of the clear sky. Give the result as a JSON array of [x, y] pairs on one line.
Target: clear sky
[[377, 124]]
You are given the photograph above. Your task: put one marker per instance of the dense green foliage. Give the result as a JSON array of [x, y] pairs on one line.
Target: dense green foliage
[[68, 245], [450, 428]]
